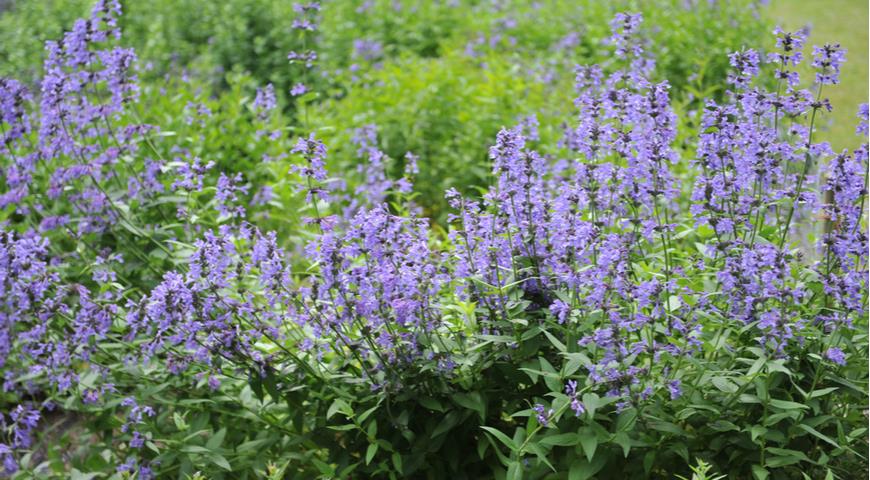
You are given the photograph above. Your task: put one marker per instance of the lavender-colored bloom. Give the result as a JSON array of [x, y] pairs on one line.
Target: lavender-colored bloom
[[828, 59], [24, 420], [314, 153], [306, 19], [543, 414], [298, 89], [561, 311], [836, 355], [265, 101], [227, 195], [411, 164], [576, 405], [307, 58], [624, 26], [789, 55], [368, 50], [10, 464], [263, 196], [675, 389], [863, 115], [191, 174], [14, 98], [746, 67]]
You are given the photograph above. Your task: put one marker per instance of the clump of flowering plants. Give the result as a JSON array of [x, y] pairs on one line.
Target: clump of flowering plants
[[614, 307]]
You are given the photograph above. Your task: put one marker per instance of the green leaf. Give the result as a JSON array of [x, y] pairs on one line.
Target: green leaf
[[370, 452], [220, 461], [431, 404], [555, 342], [589, 442], [449, 421], [812, 431], [252, 445], [338, 405], [216, 440], [626, 420], [256, 384], [561, 440], [759, 472], [501, 437], [583, 469], [472, 401], [786, 405], [515, 471], [365, 415], [781, 457], [397, 462], [648, 461], [778, 366], [194, 449], [667, 427], [822, 392], [622, 439], [756, 367], [324, 467], [723, 426], [542, 455], [75, 474], [342, 428], [179, 421], [725, 384], [591, 402], [756, 431]]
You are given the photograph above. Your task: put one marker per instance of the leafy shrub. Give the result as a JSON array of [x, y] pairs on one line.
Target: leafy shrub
[[613, 306], [494, 61]]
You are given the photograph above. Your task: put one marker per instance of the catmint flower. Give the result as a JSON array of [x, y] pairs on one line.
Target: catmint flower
[[263, 196], [543, 415], [790, 45], [561, 311], [191, 174], [307, 58], [675, 389], [576, 405], [836, 355], [307, 19], [827, 59], [10, 463], [623, 27], [298, 89], [411, 164], [863, 115], [24, 420], [227, 195], [314, 153], [14, 98], [368, 50], [264, 101], [745, 67]]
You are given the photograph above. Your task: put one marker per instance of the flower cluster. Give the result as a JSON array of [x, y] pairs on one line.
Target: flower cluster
[[610, 243], [568, 232], [306, 24]]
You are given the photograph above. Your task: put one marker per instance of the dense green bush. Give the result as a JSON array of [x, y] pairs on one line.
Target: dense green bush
[[465, 70]]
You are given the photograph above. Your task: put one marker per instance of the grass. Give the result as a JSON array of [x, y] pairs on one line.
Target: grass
[[834, 21]]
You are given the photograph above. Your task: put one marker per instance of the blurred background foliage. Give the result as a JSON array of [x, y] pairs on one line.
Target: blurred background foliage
[[834, 21], [439, 77]]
